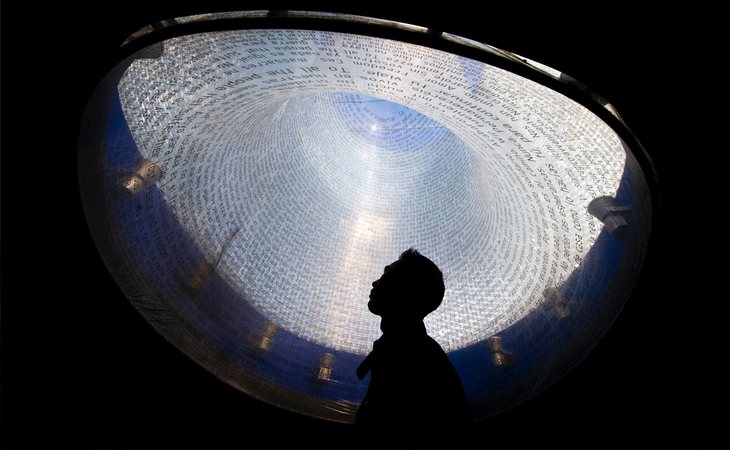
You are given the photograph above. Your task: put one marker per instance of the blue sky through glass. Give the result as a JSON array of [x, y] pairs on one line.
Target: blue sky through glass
[[386, 124]]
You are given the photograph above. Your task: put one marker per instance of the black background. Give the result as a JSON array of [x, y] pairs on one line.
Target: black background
[[81, 368]]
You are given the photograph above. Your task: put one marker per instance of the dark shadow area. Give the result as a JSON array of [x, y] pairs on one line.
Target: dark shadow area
[[413, 389], [82, 369]]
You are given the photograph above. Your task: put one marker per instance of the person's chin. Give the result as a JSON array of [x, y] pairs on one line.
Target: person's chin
[[373, 308]]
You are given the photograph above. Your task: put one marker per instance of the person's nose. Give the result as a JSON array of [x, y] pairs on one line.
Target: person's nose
[[375, 283]]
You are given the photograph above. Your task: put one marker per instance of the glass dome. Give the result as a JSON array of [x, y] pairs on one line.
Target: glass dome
[[246, 183]]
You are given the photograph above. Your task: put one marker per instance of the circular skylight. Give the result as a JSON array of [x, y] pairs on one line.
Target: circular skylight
[[245, 187]]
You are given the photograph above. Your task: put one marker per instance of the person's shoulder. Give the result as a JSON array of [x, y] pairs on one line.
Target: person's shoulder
[[433, 343]]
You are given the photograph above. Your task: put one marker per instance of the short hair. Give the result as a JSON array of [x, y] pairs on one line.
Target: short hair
[[425, 281]]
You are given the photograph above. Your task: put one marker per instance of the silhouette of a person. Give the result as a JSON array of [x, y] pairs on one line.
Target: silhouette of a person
[[413, 385]]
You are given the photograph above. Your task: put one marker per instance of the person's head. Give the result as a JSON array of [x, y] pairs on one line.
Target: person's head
[[411, 287]]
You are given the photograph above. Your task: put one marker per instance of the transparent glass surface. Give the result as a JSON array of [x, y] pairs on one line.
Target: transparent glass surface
[[246, 187]]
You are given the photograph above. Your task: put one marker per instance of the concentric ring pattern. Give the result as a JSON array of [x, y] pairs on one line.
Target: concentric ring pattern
[[245, 187]]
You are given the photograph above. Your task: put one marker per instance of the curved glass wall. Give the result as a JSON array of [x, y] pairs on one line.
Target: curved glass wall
[[246, 186]]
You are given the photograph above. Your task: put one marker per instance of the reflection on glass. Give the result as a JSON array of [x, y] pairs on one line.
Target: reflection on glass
[[301, 162]]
